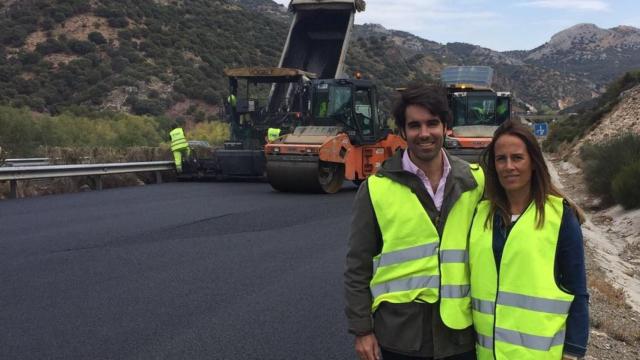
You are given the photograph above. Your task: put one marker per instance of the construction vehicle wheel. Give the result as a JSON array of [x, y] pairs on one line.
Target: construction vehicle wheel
[[330, 176], [316, 177]]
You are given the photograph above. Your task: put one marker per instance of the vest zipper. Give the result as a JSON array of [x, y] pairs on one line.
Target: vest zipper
[[495, 302], [439, 262], [495, 315]]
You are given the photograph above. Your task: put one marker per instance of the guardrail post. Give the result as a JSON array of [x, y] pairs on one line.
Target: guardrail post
[[13, 186], [93, 171]]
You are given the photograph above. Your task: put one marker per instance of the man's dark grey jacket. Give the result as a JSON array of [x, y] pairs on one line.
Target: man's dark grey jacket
[[414, 328]]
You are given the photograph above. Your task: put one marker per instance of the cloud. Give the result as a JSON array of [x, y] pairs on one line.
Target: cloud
[[420, 13], [591, 5], [414, 16]]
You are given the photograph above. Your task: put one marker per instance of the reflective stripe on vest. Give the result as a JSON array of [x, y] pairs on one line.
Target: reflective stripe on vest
[[530, 310], [178, 141], [534, 342], [414, 263]]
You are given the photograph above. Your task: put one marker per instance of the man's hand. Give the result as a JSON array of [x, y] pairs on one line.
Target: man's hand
[[570, 357], [367, 347]]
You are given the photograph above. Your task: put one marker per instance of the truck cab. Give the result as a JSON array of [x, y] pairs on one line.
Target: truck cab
[[477, 110], [350, 104]]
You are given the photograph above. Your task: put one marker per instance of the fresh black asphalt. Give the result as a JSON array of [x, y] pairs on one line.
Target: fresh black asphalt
[[175, 271]]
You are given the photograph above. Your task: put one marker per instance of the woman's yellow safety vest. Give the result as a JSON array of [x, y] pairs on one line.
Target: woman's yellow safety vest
[[178, 141], [415, 264], [519, 313]]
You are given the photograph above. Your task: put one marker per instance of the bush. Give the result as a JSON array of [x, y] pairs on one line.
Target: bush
[[214, 132], [626, 186], [97, 38], [30, 58], [81, 47], [50, 46], [23, 133], [603, 162], [119, 22], [147, 106]]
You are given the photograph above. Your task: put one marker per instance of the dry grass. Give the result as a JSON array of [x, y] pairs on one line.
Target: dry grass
[[609, 311], [612, 328], [32, 188], [613, 295]]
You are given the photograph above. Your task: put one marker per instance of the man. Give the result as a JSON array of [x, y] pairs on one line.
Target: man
[[179, 146], [407, 273], [232, 101]]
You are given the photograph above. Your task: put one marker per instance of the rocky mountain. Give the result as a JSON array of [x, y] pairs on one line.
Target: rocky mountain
[[168, 56], [625, 115], [599, 55], [535, 85], [613, 112]]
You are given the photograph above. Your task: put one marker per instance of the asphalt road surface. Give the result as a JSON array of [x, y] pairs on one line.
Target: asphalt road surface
[[174, 271]]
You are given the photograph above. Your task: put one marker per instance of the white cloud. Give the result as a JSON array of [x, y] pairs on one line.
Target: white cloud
[[423, 12], [420, 16], [592, 5]]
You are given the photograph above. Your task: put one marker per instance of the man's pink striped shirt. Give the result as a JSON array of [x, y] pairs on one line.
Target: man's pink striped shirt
[[408, 165]]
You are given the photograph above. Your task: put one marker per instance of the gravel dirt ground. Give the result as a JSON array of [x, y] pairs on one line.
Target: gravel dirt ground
[[612, 244]]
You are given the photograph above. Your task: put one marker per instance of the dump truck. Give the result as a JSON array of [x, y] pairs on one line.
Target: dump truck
[[318, 39], [477, 109], [315, 47]]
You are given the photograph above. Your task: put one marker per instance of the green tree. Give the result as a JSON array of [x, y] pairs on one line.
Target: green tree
[[97, 38]]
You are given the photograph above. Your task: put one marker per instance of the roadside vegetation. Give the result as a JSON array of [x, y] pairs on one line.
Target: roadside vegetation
[[613, 170], [214, 132], [28, 134], [576, 126]]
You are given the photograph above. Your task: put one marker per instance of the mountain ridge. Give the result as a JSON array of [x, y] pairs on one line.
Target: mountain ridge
[[167, 56]]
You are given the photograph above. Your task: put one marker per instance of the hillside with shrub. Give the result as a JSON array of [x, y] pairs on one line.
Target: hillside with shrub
[[166, 56], [586, 119], [605, 141], [141, 56]]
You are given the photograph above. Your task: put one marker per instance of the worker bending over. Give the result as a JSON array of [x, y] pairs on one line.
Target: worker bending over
[[179, 146]]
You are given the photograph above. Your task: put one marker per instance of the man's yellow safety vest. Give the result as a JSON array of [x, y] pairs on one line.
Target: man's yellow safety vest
[[519, 313], [178, 141], [415, 263], [322, 112], [231, 99], [273, 133]]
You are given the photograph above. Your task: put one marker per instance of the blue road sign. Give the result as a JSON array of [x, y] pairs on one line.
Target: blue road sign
[[541, 129]]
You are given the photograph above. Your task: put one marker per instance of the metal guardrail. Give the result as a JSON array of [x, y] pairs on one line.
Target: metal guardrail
[[15, 173], [27, 162]]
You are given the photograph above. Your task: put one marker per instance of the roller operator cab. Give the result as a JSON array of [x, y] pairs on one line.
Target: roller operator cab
[[343, 137], [477, 110]]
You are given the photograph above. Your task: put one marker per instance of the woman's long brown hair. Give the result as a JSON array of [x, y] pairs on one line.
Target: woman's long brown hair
[[541, 185]]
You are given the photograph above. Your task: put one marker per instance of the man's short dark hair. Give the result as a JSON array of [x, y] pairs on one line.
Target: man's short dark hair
[[430, 97]]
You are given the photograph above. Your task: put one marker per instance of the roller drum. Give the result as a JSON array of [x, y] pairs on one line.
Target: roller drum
[[308, 175]]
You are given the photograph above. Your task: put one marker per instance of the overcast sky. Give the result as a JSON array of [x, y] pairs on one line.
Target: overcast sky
[[498, 25]]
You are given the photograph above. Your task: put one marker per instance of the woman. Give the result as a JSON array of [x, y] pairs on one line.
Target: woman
[[528, 282]]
